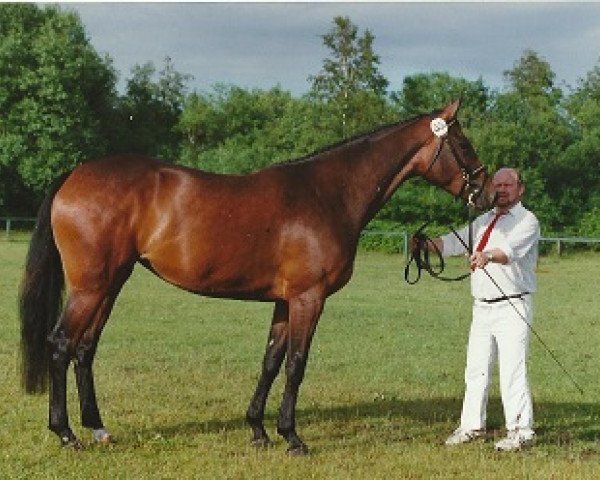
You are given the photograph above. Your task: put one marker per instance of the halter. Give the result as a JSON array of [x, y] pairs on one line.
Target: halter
[[440, 129]]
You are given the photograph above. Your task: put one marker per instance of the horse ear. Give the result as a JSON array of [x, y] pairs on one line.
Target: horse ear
[[449, 113]]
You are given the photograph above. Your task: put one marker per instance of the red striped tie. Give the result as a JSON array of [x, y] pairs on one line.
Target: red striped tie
[[486, 235]]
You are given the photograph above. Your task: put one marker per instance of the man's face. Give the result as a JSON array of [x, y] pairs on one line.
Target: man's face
[[508, 189]]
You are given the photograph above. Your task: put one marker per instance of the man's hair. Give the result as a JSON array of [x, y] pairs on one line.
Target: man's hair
[[515, 171]]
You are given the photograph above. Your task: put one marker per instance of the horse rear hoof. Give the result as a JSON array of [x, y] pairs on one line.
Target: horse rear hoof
[[71, 444], [102, 437]]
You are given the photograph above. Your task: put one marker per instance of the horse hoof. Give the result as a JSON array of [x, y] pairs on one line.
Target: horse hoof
[[106, 440], [262, 442], [298, 451], [102, 437], [72, 444]]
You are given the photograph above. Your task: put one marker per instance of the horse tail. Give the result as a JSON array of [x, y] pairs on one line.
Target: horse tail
[[40, 297]]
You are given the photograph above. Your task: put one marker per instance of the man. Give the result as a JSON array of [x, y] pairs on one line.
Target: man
[[508, 252]]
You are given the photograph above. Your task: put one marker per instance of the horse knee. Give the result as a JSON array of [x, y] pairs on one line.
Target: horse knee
[[272, 362], [84, 353], [296, 368], [59, 346]]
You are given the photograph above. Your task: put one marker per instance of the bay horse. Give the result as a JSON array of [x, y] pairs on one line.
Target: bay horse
[[286, 234]]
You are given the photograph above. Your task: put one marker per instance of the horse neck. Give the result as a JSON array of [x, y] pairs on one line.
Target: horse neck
[[370, 169]]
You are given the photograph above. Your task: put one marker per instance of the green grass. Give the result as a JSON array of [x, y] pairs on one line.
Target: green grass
[[383, 388]]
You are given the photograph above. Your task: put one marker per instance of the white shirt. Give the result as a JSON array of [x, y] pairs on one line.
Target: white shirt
[[517, 234]]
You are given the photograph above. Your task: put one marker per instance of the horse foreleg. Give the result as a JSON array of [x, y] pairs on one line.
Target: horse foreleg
[[274, 354], [304, 314]]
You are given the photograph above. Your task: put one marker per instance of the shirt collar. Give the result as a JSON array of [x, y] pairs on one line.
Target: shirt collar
[[512, 211]]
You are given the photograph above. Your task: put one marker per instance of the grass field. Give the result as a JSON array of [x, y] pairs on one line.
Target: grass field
[[383, 388]]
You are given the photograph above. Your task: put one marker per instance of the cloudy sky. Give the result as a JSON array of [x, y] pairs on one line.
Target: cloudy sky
[[265, 44]]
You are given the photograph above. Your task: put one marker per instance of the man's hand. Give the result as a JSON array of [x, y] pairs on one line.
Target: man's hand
[[479, 260]]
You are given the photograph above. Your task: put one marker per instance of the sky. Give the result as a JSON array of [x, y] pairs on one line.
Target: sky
[[262, 45]]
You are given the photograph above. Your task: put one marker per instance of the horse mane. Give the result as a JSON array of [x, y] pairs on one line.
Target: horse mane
[[347, 141]]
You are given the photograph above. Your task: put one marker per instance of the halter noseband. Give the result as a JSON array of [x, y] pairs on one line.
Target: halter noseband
[[440, 129]]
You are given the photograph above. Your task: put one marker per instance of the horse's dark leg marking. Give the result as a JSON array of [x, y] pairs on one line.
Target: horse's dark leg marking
[[60, 357], [90, 416], [274, 354]]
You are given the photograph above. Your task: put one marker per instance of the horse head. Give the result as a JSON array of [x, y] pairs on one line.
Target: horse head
[[449, 161]]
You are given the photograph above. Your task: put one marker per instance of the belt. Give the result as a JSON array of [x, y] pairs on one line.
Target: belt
[[504, 298]]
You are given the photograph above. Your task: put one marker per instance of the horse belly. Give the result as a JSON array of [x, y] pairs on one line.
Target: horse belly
[[230, 269], [250, 265]]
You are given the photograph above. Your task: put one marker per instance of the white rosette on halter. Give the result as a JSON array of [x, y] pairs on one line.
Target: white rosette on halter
[[439, 127]]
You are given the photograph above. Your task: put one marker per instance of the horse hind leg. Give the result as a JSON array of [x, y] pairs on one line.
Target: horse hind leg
[[273, 358], [62, 343], [84, 358], [90, 414], [76, 337]]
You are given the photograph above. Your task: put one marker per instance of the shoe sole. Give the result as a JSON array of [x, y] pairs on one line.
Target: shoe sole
[[470, 440], [525, 446]]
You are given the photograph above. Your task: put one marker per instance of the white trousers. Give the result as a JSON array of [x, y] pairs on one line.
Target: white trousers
[[498, 332]]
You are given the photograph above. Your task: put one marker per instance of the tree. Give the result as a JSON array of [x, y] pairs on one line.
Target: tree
[[353, 66], [149, 112], [525, 128], [55, 92], [230, 129], [428, 92], [350, 79], [532, 77], [580, 163]]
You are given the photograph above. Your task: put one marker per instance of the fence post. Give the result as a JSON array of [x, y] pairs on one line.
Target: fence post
[[558, 247], [7, 229]]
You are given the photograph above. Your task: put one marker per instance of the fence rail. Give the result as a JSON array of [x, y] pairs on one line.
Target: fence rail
[[10, 221], [558, 241], [402, 236]]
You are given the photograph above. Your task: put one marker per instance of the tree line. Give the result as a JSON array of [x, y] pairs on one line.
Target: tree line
[[60, 107]]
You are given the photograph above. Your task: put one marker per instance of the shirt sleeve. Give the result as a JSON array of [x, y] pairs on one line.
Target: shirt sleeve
[[452, 245], [517, 242]]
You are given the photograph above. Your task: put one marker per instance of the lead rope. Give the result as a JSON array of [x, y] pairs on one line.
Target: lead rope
[[420, 254]]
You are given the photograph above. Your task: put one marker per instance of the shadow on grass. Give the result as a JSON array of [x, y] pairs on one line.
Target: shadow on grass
[[556, 423]]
